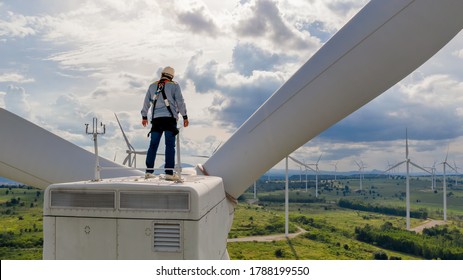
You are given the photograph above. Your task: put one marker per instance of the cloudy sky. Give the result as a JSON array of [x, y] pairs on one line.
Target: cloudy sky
[[65, 62]]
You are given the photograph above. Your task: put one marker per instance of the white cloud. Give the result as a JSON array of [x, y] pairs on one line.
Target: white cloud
[[458, 53], [439, 90], [15, 78], [264, 20], [17, 26], [199, 21], [94, 58], [16, 101]]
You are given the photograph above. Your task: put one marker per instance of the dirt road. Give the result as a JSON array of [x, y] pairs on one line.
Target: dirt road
[[268, 238], [428, 224]]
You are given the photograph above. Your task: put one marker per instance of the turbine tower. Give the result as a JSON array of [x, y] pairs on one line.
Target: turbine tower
[[335, 169], [444, 164], [433, 176], [317, 170], [286, 199], [407, 161], [456, 173]]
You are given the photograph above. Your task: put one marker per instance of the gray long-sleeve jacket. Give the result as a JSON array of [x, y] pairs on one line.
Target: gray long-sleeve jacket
[[174, 96]]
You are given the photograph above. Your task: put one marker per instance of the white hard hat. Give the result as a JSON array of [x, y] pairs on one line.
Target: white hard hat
[[169, 71]]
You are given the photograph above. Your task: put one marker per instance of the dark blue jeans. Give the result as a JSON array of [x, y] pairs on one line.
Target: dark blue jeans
[[153, 149]]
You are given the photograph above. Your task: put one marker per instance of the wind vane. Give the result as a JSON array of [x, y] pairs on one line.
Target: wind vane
[[95, 142]]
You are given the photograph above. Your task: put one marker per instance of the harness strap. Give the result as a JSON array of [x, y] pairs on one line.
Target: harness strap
[[160, 89]]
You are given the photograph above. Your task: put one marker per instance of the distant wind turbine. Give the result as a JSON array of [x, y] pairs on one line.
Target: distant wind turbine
[[407, 161], [317, 170], [389, 166], [306, 168], [300, 174], [286, 199], [445, 163], [361, 166], [335, 169], [131, 158], [456, 175], [433, 173]]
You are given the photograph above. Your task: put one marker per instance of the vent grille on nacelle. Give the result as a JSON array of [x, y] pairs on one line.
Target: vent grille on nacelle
[[167, 237], [82, 199], [155, 200]]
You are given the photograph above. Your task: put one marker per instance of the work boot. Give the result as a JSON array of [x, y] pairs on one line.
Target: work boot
[[149, 176], [173, 177]]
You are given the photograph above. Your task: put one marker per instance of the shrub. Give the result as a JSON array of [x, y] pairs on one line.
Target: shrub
[[380, 255], [279, 253]]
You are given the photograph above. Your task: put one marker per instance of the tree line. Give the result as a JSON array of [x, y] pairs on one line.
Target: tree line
[[439, 242], [387, 210], [294, 197]]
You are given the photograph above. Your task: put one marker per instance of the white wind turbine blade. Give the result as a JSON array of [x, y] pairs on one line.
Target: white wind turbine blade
[[451, 167], [319, 158], [447, 155], [131, 148], [394, 166], [377, 48], [218, 146], [36, 157], [419, 167], [129, 158], [301, 163]]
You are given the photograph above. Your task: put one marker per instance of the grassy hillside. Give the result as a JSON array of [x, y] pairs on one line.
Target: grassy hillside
[[331, 233], [329, 236], [21, 234]]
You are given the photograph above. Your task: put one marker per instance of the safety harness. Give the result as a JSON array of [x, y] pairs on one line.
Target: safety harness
[[160, 89]]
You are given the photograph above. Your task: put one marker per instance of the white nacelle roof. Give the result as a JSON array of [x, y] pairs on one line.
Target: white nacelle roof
[[135, 197]]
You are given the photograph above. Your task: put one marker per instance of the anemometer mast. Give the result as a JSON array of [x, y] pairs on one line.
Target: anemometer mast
[[95, 134]]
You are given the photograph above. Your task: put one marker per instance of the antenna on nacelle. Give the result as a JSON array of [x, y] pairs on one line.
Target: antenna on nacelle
[[95, 142]]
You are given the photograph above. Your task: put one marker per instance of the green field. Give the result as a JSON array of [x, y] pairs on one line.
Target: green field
[[21, 234], [329, 241], [332, 240], [330, 229]]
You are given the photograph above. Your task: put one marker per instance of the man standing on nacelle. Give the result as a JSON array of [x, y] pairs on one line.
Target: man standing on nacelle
[[164, 115]]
